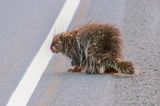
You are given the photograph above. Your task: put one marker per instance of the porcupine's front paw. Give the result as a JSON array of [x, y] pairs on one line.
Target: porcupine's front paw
[[126, 67], [75, 69]]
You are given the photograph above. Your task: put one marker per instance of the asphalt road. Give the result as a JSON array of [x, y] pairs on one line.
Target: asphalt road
[[25, 24]]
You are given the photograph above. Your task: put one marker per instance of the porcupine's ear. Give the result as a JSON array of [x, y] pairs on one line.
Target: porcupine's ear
[[61, 38]]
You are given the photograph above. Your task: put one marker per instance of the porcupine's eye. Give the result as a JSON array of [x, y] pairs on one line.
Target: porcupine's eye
[[58, 44]]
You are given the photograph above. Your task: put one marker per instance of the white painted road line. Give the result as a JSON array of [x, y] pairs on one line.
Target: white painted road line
[[28, 83]]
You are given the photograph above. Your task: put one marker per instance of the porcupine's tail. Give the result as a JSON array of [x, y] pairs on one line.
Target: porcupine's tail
[[124, 67]]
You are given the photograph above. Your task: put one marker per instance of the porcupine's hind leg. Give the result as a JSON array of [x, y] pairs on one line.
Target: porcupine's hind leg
[[92, 65]]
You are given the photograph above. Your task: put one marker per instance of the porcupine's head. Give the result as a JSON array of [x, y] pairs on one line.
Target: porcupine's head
[[63, 43], [57, 44], [66, 44]]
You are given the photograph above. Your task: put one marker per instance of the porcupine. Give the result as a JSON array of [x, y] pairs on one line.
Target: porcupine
[[94, 48]]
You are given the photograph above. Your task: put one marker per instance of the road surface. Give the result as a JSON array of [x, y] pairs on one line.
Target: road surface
[[25, 25]]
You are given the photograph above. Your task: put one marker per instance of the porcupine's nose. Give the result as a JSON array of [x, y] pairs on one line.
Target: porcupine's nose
[[54, 49]]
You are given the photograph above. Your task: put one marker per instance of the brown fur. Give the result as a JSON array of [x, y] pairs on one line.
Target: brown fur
[[93, 48]]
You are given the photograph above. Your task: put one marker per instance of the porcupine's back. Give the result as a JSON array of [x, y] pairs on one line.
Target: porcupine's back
[[106, 37]]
